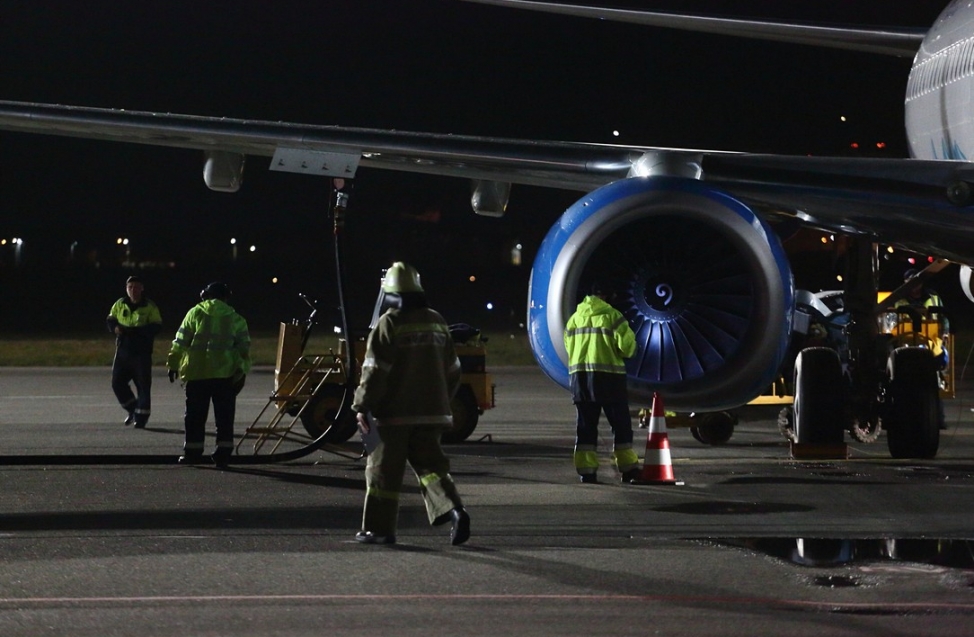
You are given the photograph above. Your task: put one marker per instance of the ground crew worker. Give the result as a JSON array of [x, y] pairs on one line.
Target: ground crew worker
[[211, 356], [134, 320], [409, 376], [923, 298], [597, 339]]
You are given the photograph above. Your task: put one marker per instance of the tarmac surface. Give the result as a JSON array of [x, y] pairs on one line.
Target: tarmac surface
[[102, 533]]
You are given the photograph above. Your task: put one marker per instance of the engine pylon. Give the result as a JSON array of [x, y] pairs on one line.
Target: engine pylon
[[657, 465]]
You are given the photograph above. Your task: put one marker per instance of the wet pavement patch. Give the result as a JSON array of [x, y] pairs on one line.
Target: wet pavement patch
[[949, 553], [836, 581], [733, 508]]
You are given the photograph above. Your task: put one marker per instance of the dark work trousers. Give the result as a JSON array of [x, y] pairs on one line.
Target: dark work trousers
[[587, 435], [419, 445], [136, 369], [199, 393], [587, 422]]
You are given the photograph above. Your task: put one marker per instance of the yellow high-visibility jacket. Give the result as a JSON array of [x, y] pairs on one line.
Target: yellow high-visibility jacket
[[140, 322], [212, 342], [598, 338]]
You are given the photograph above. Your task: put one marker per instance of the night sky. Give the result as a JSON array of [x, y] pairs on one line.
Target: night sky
[[424, 65]]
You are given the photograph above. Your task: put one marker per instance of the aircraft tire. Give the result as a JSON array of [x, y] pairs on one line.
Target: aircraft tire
[[465, 417], [714, 428], [913, 415], [320, 412], [818, 409]]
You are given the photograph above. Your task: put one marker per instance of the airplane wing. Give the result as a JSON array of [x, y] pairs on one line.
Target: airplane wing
[[912, 204], [687, 236], [901, 42]]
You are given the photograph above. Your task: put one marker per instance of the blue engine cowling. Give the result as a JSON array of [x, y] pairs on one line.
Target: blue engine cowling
[[703, 281]]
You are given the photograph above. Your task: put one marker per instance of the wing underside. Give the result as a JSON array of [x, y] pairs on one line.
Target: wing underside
[[901, 202]]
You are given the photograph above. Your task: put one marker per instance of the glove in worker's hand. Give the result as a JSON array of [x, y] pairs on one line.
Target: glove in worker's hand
[[363, 422], [172, 375]]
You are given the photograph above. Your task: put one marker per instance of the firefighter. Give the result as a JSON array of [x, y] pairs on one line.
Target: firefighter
[[597, 339], [134, 320], [409, 376], [211, 356]]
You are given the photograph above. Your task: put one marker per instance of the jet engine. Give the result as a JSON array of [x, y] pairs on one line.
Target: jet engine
[[703, 281]]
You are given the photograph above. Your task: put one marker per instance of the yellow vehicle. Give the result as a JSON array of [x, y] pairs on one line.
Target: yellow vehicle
[[911, 326], [909, 337], [313, 385]]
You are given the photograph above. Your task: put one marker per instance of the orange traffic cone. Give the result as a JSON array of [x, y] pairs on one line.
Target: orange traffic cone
[[657, 466]]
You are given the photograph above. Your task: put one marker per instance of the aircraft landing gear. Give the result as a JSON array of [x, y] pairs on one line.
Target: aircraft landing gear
[[913, 411], [713, 428], [818, 409]]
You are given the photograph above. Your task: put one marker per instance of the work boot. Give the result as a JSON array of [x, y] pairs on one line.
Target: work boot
[[460, 532], [630, 476], [368, 537], [221, 459], [130, 418]]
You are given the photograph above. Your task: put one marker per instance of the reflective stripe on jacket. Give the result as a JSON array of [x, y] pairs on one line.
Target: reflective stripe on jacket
[[140, 322], [598, 338], [212, 342]]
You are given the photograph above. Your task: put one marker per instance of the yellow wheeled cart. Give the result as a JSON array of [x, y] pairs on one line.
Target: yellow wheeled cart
[[308, 388]]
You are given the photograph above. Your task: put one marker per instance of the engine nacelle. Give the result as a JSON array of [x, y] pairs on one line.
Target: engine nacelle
[[703, 281], [223, 172]]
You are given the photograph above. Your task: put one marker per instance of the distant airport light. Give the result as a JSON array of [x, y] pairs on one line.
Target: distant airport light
[[880, 144], [253, 248], [3, 242], [274, 279], [122, 241], [615, 133], [233, 242], [472, 278], [854, 145], [838, 278], [824, 240], [911, 261], [842, 118], [490, 306], [889, 249], [929, 259]]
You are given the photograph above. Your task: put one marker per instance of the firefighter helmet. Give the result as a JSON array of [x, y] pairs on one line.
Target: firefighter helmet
[[401, 278]]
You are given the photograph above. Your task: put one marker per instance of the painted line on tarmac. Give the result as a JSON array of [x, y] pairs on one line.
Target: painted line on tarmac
[[830, 606]]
